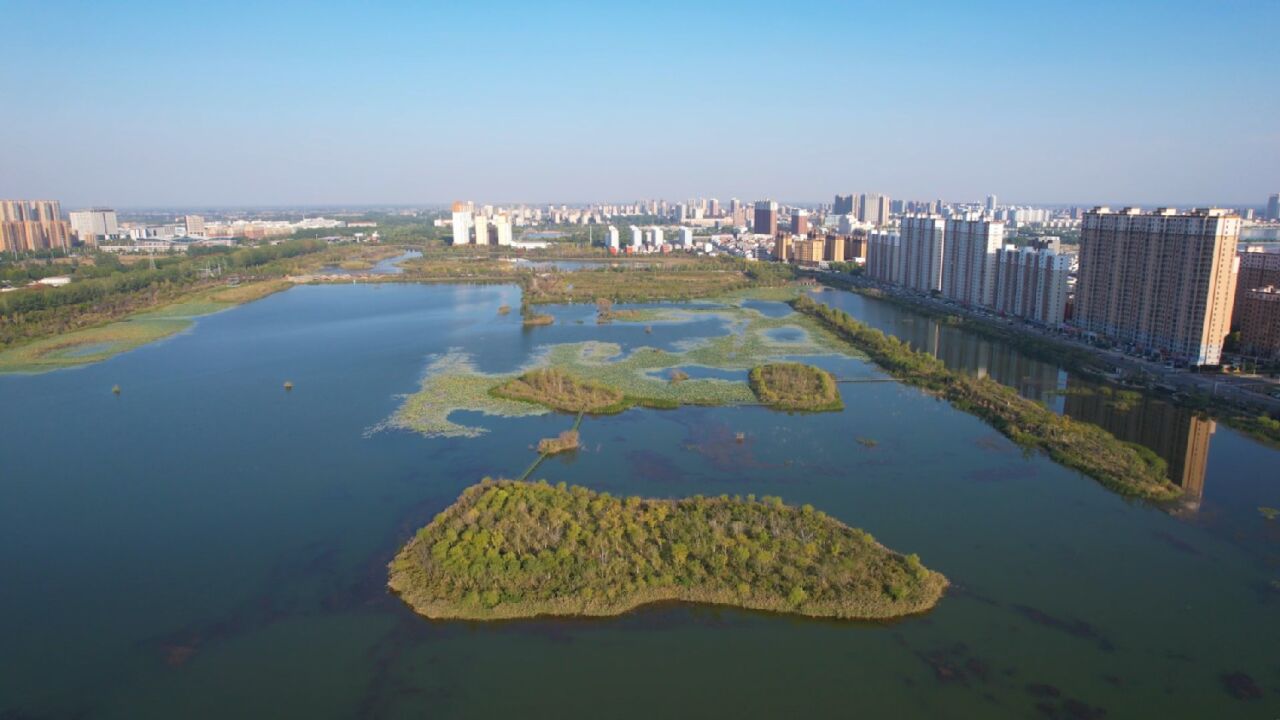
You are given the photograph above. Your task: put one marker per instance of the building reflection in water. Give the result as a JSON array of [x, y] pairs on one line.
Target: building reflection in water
[[1176, 434]]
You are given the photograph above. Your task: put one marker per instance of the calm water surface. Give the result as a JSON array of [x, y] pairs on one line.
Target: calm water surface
[[209, 545]]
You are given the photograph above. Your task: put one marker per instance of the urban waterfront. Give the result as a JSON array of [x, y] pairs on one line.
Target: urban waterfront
[[214, 545]]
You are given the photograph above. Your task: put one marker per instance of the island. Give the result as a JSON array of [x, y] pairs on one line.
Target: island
[[795, 386], [508, 549]]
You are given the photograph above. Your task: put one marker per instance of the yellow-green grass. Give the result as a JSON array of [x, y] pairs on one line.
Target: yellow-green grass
[[95, 344], [518, 549]]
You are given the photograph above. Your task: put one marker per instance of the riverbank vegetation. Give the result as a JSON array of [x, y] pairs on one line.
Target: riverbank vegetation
[[1117, 465], [95, 344], [509, 549], [795, 386], [117, 289]]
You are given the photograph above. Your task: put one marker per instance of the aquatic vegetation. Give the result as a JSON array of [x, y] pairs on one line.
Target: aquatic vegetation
[[1269, 513], [1126, 468], [677, 376], [452, 383], [504, 309], [509, 549], [867, 442], [795, 386]]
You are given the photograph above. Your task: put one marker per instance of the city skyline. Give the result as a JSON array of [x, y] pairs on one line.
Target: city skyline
[[304, 105]]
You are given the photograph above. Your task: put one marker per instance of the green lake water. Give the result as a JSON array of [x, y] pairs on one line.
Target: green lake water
[[208, 545]]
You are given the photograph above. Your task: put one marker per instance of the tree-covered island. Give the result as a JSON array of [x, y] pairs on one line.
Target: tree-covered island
[[508, 549]]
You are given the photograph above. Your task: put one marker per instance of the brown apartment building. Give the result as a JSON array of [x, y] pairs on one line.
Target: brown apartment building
[[1161, 281], [29, 225]]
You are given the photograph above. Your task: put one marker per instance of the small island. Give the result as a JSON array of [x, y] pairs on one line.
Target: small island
[[795, 386], [508, 549], [558, 390]]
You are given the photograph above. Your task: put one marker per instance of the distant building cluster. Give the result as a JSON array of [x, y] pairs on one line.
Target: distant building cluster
[[31, 225]]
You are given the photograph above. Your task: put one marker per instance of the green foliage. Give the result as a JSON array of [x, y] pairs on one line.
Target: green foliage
[[567, 440], [561, 391], [515, 549], [1118, 465], [795, 386]]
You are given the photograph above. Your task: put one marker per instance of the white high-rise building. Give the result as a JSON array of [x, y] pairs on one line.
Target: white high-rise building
[[657, 237], [637, 238], [686, 238], [502, 227], [884, 256], [614, 242], [480, 225], [921, 247], [969, 260], [461, 223], [1031, 283], [90, 225]]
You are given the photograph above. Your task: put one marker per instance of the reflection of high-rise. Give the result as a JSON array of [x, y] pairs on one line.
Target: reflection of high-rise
[[1176, 434]]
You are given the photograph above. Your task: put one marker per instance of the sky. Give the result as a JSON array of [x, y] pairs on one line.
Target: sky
[[197, 104]]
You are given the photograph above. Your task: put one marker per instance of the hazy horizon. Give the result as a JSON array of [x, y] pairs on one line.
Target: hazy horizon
[[144, 105]]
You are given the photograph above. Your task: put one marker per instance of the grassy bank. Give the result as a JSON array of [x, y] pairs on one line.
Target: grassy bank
[[516, 549], [1120, 466], [95, 344]]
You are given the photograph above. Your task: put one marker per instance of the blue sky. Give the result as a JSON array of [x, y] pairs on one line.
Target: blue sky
[[229, 103]]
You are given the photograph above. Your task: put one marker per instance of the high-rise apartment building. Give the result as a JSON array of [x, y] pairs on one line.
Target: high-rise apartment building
[[29, 225], [834, 248], [90, 226], [991, 204], [1162, 281], [969, 260], [766, 219], [686, 238], [480, 226], [1273, 207], [1258, 268], [800, 222], [637, 238], [614, 241], [502, 229], [884, 256], [1031, 283], [461, 223], [782, 248], [874, 209], [843, 205], [921, 248], [809, 252], [1259, 320]]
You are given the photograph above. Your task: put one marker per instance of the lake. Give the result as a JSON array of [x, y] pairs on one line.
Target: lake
[[208, 544]]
